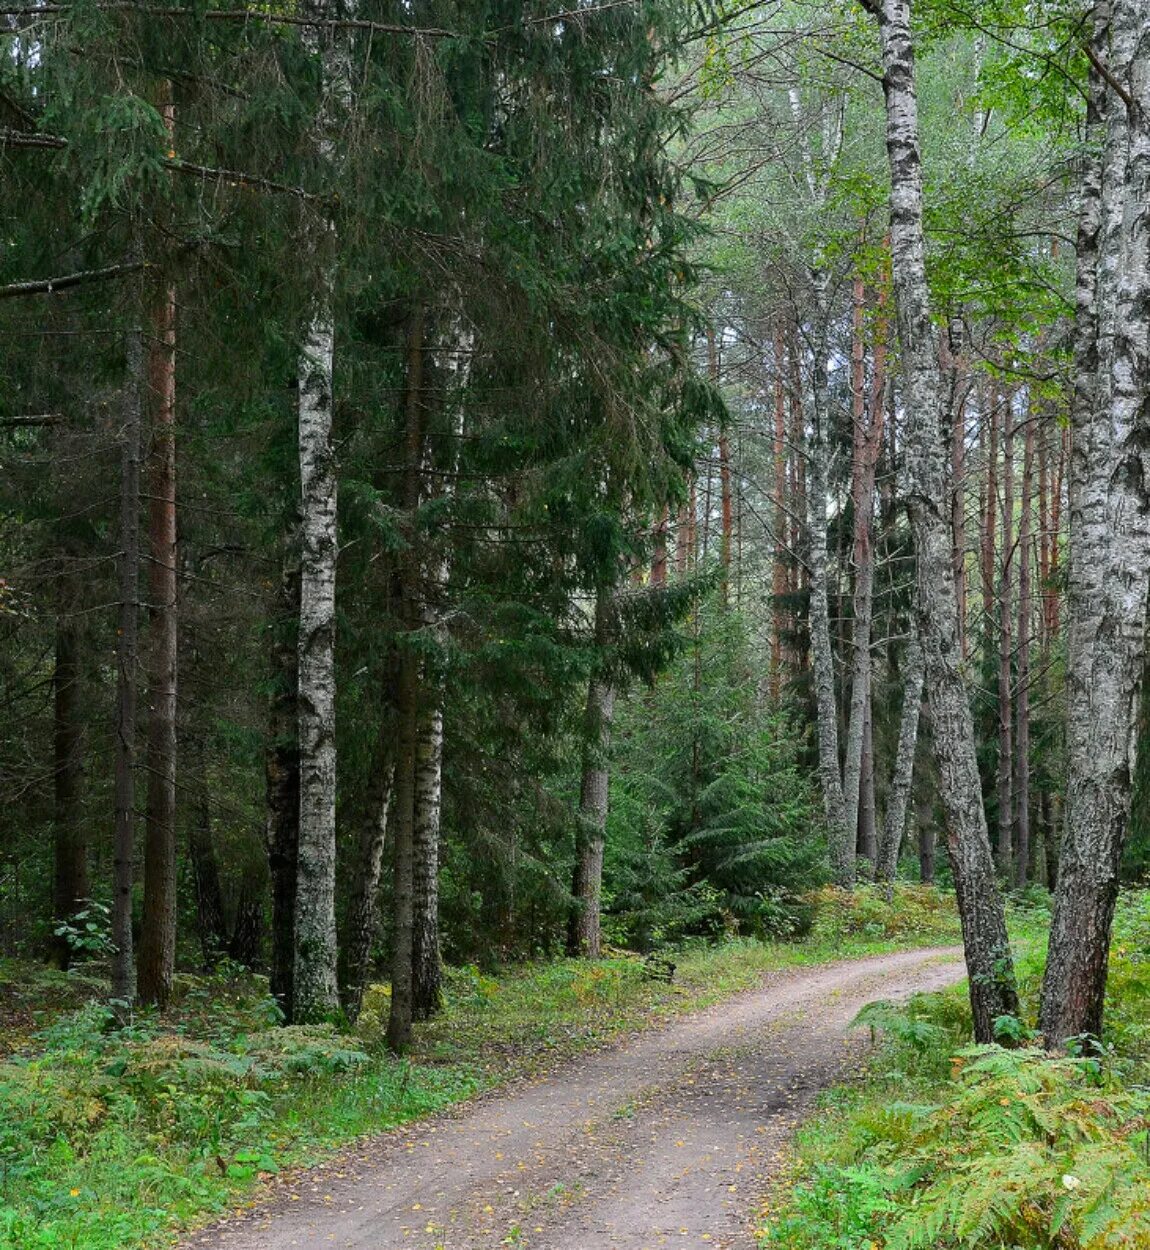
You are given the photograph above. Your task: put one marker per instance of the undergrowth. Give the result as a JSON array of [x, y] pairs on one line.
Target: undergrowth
[[947, 1145], [118, 1137]]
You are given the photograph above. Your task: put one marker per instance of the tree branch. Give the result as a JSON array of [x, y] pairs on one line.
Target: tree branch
[[1097, 62], [49, 286], [235, 15], [33, 139]]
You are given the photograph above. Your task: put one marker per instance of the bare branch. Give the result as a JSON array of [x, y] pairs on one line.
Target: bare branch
[[49, 286]]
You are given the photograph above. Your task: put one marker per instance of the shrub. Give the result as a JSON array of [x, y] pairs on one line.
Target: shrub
[[912, 911]]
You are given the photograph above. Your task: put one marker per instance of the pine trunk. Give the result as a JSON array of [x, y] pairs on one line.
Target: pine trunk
[[157, 955], [988, 958], [127, 665], [1110, 523]]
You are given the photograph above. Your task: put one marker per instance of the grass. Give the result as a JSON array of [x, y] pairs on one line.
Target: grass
[[121, 1137], [944, 1145]]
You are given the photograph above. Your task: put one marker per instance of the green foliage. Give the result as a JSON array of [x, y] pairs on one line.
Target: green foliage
[[951, 1146], [109, 1135], [713, 822], [912, 911]]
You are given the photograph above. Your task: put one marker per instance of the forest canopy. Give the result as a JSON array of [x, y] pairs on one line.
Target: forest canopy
[[485, 481]]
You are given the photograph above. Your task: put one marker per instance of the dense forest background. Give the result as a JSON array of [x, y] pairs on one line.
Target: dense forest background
[[459, 475]]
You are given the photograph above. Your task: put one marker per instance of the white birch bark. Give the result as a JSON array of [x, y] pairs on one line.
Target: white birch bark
[[992, 988], [1109, 519], [316, 989]]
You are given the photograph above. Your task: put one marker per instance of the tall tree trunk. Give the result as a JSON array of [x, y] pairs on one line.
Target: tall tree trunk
[[988, 958], [1022, 742], [841, 834], [426, 986], [927, 838], [408, 699], [127, 665], [70, 846], [1006, 649], [1044, 587], [1110, 522], [315, 990], [727, 536], [867, 820], [902, 779], [955, 367], [402, 1007], [362, 925], [780, 624], [659, 555], [989, 515], [281, 776], [157, 956], [583, 936], [210, 924], [866, 442]]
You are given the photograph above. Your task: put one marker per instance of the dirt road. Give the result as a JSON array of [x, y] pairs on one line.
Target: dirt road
[[667, 1140]]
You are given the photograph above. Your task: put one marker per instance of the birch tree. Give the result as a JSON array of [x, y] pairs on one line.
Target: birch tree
[[315, 990], [1109, 516], [992, 989]]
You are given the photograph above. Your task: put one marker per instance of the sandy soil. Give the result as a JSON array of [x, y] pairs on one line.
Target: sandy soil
[[665, 1140]]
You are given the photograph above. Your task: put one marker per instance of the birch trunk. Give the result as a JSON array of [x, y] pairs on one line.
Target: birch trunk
[[1110, 522], [316, 992], [157, 956], [315, 941], [841, 835], [902, 779], [427, 986], [992, 986], [127, 664]]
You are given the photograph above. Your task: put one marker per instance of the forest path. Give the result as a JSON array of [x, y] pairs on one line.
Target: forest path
[[665, 1140]]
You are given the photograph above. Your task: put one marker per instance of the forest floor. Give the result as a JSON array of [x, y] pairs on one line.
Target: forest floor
[[668, 1138]]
